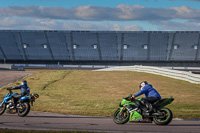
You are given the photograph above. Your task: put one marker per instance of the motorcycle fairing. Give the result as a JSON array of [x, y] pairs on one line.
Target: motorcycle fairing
[[1, 103], [24, 98], [135, 116], [8, 97], [163, 102]]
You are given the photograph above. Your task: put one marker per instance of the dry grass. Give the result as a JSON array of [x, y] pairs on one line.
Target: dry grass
[[99, 93]]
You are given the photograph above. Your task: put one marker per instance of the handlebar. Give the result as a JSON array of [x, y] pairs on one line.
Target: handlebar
[[130, 98], [10, 91], [10, 88]]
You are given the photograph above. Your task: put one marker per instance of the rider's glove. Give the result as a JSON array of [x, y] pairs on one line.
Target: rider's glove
[[10, 88]]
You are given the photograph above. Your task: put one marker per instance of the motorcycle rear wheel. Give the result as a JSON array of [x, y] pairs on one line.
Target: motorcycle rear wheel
[[2, 108], [25, 109], [121, 117], [165, 119]]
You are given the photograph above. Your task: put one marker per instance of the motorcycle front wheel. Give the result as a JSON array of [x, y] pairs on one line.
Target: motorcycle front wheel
[[165, 118], [24, 109], [2, 108], [121, 117]]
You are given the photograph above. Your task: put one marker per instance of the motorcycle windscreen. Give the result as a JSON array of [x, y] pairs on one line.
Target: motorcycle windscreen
[[135, 116]]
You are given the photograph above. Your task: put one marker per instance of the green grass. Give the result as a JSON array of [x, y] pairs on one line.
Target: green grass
[[93, 93]]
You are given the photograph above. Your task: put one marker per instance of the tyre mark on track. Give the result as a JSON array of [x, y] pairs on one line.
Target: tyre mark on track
[[65, 75]]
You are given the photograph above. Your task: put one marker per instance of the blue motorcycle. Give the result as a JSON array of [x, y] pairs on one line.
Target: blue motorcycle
[[22, 106]]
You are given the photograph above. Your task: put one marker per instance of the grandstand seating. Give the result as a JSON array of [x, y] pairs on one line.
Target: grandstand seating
[[185, 50], [1, 55], [108, 46], [24, 45], [158, 46], [59, 46], [198, 53], [87, 46], [135, 50], [34, 49], [10, 49]]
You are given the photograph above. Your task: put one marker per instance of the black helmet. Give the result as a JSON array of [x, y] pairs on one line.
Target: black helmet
[[145, 82], [24, 82]]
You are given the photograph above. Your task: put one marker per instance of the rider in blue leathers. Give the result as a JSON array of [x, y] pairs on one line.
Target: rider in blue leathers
[[24, 91], [151, 95]]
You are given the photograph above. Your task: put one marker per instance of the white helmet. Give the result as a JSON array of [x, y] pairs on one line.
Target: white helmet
[[24, 82], [143, 83]]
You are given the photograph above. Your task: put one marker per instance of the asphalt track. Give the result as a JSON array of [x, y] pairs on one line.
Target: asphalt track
[[7, 77], [54, 121]]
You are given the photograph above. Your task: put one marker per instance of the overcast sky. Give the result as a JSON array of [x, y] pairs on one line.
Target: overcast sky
[[100, 15]]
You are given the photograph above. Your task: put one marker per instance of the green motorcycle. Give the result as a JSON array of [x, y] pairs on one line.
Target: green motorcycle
[[134, 111]]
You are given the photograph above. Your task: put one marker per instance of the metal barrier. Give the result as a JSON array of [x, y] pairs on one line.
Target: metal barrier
[[182, 75], [5, 66]]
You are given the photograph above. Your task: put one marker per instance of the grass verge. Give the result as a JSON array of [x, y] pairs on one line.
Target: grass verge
[[95, 93]]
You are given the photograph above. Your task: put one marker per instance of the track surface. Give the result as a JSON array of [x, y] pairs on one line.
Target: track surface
[[54, 121], [7, 77]]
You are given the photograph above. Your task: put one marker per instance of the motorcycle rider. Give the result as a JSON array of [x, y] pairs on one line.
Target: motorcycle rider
[[151, 95], [24, 91]]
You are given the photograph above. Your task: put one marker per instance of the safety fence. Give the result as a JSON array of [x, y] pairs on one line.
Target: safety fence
[[182, 75], [5, 66]]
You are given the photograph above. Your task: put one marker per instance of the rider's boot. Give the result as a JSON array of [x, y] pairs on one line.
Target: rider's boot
[[149, 107]]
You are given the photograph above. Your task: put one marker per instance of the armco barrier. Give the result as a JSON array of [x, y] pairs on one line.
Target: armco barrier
[[182, 75], [5, 66]]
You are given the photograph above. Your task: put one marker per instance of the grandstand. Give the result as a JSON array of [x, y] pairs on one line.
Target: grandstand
[[180, 48]]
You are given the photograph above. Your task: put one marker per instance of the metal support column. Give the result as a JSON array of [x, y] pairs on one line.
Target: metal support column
[[198, 49], [98, 46], [171, 48], [66, 44], [4, 55], [149, 47], [169, 45], [122, 45], [22, 47], [49, 47], [72, 49]]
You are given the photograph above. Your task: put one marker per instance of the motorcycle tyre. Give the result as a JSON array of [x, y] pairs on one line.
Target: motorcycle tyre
[[3, 108], [24, 113], [121, 122], [165, 122]]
